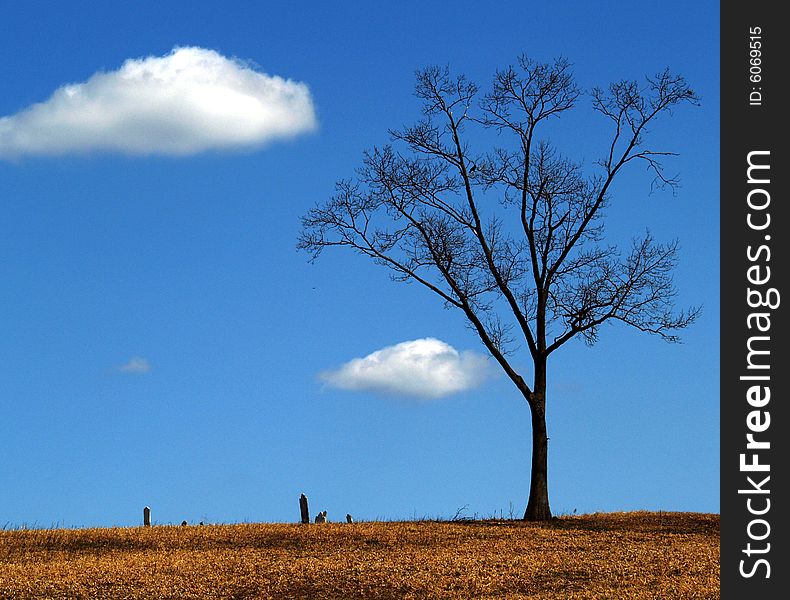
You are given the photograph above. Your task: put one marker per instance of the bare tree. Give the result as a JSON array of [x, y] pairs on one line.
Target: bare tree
[[513, 237]]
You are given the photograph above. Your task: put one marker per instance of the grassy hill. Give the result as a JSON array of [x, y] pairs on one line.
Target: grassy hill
[[613, 555]]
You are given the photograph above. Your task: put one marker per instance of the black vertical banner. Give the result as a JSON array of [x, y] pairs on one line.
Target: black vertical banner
[[755, 440]]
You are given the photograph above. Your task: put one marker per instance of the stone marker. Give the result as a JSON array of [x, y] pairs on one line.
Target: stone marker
[[304, 509], [146, 516], [349, 519], [321, 517]]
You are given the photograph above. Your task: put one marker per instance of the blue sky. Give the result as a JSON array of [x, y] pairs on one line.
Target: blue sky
[[162, 341]]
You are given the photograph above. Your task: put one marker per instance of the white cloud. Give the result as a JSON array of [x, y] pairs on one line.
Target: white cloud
[[188, 101], [427, 368], [135, 365]]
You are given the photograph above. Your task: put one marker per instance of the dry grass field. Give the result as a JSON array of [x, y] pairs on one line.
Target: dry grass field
[[613, 555]]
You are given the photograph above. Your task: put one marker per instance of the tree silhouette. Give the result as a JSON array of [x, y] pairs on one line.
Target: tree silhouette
[[513, 237]]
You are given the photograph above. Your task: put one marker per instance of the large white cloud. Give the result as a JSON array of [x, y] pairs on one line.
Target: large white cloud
[[188, 101], [427, 368]]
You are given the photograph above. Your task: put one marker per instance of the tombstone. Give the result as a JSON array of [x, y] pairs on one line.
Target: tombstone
[[146, 516], [304, 509], [321, 517], [349, 519]]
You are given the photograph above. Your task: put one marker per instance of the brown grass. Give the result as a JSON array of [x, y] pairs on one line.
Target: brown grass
[[616, 555]]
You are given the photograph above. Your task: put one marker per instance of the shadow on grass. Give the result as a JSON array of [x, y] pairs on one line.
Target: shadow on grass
[[647, 522]]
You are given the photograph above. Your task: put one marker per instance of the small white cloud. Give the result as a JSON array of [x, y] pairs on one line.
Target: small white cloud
[[427, 368], [188, 101], [135, 365]]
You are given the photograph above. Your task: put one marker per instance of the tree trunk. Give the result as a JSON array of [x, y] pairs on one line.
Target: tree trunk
[[538, 505]]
